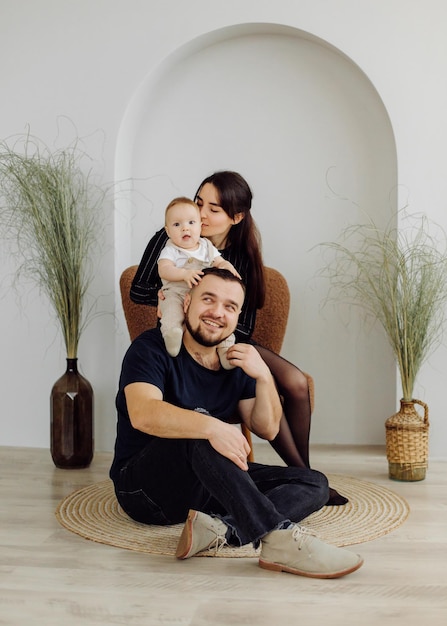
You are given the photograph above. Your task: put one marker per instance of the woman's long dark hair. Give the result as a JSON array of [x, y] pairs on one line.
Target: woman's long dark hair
[[235, 197]]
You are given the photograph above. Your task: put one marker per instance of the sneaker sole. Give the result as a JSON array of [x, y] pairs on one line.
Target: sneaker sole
[[277, 567], [185, 542]]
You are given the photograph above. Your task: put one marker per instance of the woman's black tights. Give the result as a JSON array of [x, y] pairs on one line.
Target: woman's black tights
[[292, 441]]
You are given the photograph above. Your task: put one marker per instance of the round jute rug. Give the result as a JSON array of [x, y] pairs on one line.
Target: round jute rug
[[372, 511]]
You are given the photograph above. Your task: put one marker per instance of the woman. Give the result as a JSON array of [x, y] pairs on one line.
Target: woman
[[225, 199]]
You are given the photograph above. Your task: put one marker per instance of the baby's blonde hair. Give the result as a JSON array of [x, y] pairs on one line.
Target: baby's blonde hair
[[181, 200]]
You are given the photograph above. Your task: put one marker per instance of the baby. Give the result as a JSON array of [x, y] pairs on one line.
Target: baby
[[180, 267]]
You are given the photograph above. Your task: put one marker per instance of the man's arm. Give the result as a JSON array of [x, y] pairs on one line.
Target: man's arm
[[149, 413], [262, 413]]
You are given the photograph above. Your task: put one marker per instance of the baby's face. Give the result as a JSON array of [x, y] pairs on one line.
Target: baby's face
[[183, 225]]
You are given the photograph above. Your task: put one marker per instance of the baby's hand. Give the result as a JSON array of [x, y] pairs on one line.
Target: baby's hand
[[193, 277]]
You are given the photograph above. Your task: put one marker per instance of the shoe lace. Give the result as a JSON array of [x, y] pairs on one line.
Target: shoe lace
[[217, 544], [300, 533]]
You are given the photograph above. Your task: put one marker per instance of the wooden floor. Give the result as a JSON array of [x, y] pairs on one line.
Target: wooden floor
[[49, 576]]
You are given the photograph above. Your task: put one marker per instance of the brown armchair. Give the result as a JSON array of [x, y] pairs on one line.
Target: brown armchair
[[271, 320]]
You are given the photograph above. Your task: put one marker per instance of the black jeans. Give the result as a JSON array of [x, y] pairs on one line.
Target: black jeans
[[170, 476]]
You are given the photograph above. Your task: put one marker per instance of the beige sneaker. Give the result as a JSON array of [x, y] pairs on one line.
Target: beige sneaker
[[201, 532], [297, 551]]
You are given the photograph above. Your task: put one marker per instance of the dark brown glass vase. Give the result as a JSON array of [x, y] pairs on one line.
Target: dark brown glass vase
[[72, 441]]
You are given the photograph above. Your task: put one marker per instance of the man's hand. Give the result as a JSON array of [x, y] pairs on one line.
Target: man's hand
[[229, 441], [161, 296], [261, 414], [150, 414], [246, 356]]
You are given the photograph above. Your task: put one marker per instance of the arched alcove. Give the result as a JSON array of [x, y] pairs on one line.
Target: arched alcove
[[307, 129]]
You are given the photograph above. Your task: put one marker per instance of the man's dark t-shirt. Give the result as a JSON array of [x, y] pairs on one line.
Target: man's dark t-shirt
[[182, 381]]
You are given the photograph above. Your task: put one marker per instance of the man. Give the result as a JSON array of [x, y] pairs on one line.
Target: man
[[178, 455]]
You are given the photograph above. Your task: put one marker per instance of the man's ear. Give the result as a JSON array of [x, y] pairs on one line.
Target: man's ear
[[186, 302], [238, 218]]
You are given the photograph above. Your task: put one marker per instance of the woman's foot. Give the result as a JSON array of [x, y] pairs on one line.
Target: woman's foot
[[335, 498]]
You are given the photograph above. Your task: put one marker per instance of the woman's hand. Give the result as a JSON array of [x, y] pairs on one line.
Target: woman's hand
[[222, 264]]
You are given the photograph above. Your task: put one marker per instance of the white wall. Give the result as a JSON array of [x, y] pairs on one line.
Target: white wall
[[96, 61], [302, 123]]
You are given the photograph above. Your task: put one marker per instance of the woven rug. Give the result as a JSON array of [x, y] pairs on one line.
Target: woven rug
[[372, 511]]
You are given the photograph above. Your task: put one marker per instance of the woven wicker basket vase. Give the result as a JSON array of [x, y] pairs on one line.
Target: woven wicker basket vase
[[407, 442]]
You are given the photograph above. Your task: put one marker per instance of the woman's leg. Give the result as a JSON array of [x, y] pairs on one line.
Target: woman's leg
[[292, 441]]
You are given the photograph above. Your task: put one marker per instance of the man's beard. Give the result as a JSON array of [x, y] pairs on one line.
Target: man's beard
[[198, 336]]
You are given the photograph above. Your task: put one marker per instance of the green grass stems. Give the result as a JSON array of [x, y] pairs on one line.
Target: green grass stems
[[398, 276], [48, 210]]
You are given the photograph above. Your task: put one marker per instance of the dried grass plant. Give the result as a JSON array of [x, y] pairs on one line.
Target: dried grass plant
[[398, 276], [48, 212]]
